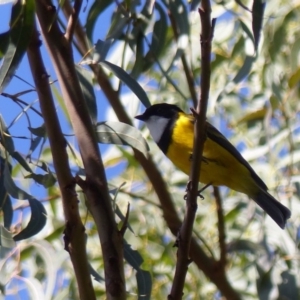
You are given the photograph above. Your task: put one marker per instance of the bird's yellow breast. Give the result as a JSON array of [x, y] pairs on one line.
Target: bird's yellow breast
[[218, 167]]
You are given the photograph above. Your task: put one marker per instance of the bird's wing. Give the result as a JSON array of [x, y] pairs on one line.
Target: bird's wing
[[216, 136]]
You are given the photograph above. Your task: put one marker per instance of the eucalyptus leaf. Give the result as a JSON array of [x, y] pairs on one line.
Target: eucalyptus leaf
[[129, 81], [121, 134], [21, 25], [36, 223]]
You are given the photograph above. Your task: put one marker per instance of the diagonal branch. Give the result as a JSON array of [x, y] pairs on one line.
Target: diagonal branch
[[73, 20], [74, 232]]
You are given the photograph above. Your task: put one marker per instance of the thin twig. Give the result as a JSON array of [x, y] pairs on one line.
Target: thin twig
[[73, 20], [221, 229]]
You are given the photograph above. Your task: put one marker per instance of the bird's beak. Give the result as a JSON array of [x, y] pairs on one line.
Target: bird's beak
[[140, 117]]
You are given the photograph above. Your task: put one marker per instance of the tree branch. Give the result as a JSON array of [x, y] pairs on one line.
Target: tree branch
[[186, 229], [73, 20], [74, 233], [221, 229], [96, 191]]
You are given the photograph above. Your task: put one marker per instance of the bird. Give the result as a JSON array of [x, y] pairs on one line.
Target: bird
[[222, 164]]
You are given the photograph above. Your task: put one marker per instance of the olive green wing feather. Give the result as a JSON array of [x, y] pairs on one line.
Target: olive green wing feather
[[216, 136]]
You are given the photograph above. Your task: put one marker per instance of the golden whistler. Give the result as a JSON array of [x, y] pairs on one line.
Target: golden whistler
[[222, 164]]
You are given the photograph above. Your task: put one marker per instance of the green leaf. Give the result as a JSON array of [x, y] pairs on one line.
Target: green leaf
[[133, 257], [11, 187], [94, 13], [139, 57], [21, 160], [22, 20], [245, 69], [129, 81], [8, 213], [101, 49], [121, 134], [144, 284], [144, 281], [288, 287], [6, 239], [258, 9], [86, 83], [158, 41], [294, 78], [247, 31], [244, 246], [38, 131], [6, 245], [6, 139], [34, 144], [95, 274], [47, 180], [118, 23], [36, 223], [263, 283], [4, 42]]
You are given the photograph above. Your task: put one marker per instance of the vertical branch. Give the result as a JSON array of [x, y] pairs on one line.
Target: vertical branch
[[185, 233], [73, 20], [221, 229], [74, 232]]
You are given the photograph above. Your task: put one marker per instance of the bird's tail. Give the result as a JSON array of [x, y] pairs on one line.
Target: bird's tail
[[278, 212]]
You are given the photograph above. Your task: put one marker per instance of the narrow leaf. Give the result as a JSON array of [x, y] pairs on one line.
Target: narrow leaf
[[95, 274], [38, 131], [133, 257], [36, 223], [11, 187], [22, 19], [144, 284], [129, 81], [244, 70], [6, 239], [21, 160], [158, 38], [94, 13], [86, 82], [258, 9], [121, 134], [7, 212], [5, 137]]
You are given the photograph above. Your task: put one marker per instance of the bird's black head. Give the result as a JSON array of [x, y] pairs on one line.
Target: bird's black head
[[162, 110]]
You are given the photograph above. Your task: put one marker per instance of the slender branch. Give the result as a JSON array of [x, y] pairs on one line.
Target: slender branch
[[96, 190], [74, 233], [185, 233], [221, 229], [16, 99], [73, 20]]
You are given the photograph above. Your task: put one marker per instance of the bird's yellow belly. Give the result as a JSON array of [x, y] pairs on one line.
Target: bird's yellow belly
[[218, 167]]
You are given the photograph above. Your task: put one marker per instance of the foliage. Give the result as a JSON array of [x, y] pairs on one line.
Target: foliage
[[149, 52]]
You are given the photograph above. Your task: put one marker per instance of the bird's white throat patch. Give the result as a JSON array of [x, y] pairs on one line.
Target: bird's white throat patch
[[157, 126]]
